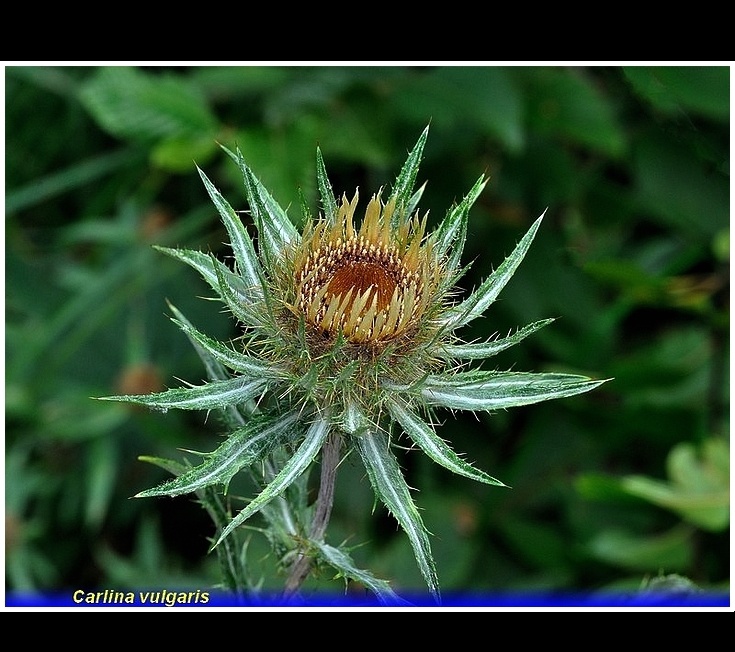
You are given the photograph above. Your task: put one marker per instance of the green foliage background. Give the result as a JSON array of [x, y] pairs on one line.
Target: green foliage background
[[611, 489]]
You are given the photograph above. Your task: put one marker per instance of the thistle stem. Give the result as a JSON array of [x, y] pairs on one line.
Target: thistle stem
[[322, 512]]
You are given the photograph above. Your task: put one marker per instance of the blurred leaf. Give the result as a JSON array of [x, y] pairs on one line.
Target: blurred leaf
[[28, 569], [641, 287], [701, 89], [541, 545], [549, 175], [28, 480], [148, 566], [69, 318], [101, 479], [355, 134], [595, 486], [671, 551], [485, 97], [564, 103], [699, 486], [678, 188], [100, 230], [225, 82], [670, 584], [71, 415], [57, 79], [670, 369], [721, 245], [137, 104], [306, 93], [49, 186], [282, 160], [629, 277], [453, 520], [182, 153]]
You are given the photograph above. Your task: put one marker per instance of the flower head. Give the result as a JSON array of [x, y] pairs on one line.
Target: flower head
[[372, 285], [349, 336]]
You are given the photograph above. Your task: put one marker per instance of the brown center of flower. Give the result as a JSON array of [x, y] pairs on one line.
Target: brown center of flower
[[357, 288], [360, 277], [370, 285]]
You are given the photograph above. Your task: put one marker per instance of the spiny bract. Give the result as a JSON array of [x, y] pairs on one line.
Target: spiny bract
[[347, 329]]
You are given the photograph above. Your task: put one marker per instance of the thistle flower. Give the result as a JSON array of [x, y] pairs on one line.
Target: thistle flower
[[349, 344]]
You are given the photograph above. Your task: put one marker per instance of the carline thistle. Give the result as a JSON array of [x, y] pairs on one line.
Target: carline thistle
[[349, 345]]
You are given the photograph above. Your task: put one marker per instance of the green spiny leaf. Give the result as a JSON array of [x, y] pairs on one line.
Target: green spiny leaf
[[274, 227], [435, 447], [451, 233], [210, 268], [232, 359], [413, 203], [248, 312], [248, 264], [172, 466], [487, 390], [353, 419], [345, 566], [403, 187], [294, 467], [242, 448], [215, 371], [483, 296], [210, 396], [390, 486], [329, 203], [305, 207], [488, 349], [231, 556]]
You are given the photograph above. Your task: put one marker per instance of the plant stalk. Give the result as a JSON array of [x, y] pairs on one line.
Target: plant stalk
[[323, 509]]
